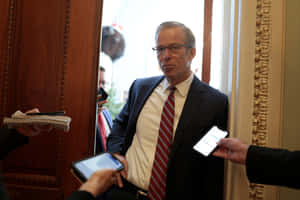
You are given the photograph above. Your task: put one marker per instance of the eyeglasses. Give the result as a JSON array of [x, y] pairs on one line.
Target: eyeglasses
[[173, 48]]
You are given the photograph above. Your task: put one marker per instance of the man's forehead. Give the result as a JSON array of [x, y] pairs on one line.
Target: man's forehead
[[171, 35], [173, 29]]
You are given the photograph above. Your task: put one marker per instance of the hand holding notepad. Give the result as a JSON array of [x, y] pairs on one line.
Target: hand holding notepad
[[56, 119]]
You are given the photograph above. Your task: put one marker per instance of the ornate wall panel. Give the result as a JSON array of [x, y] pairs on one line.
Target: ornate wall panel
[[262, 64], [258, 82]]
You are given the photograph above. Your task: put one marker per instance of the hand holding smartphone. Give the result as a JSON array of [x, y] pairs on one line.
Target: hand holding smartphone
[[103, 94], [86, 167], [208, 142]]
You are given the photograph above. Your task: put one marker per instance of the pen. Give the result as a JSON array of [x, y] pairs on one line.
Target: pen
[[48, 113]]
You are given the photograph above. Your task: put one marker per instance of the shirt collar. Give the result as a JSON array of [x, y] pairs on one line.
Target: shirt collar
[[182, 87]]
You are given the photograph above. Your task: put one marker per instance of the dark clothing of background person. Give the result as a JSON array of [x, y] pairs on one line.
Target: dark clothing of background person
[[81, 195], [10, 139], [189, 173], [273, 166], [99, 145]]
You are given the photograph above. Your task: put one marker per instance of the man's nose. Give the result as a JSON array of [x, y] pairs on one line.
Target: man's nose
[[166, 53]]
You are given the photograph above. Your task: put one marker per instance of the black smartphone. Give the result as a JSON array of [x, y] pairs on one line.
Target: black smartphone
[[103, 94], [55, 113], [83, 169]]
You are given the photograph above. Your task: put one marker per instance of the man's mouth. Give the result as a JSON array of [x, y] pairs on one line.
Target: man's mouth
[[168, 66]]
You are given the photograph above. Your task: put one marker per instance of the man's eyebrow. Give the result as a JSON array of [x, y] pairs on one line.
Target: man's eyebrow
[[168, 45]]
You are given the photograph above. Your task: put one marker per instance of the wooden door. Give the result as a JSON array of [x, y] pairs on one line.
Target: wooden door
[[49, 59]]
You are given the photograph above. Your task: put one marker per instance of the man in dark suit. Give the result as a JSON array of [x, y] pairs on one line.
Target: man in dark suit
[[135, 134], [264, 165]]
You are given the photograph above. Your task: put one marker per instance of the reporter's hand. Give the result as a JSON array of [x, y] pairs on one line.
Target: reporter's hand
[[124, 172], [232, 149], [100, 103], [33, 130], [100, 181]]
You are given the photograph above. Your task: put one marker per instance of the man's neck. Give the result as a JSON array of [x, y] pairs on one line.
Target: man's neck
[[174, 82]]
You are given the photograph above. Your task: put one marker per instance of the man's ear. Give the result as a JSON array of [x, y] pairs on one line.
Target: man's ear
[[192, 53]]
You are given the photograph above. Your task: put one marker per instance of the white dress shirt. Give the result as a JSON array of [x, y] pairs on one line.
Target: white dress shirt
[[140, 154]]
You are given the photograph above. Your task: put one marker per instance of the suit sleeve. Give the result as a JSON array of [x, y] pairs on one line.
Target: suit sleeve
[[81, 195], [273, 166], [222, 115], [9, 140], [116, 138]]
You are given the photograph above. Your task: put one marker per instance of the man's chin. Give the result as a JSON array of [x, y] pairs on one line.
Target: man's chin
[[168, 74]]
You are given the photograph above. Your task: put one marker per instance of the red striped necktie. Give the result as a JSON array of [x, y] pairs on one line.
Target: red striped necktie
[[157, 186], [102, 130]]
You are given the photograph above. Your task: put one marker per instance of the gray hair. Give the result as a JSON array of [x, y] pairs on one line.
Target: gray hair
[[189, 36]]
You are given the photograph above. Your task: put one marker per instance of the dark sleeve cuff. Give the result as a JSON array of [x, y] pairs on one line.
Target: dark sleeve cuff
[[261, 163], [273, 166], [9, 140], [251, 160], [81, 195]]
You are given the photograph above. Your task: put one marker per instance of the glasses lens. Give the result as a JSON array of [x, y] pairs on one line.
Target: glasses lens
[[174, 48]]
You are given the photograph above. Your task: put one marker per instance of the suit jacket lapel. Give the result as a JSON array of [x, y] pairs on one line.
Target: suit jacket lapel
[[108, 118], [188, 111], [144, 95]]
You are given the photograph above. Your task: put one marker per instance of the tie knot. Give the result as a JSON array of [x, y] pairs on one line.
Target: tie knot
[[172, 89]]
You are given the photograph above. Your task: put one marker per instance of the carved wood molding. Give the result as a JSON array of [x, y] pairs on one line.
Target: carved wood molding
[[8, 49], [65, 52], [11, 27], [30, 179], [63, 79], [261, 77]]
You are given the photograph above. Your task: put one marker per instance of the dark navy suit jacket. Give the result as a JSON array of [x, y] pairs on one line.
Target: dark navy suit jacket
[[108, 118], [190, 175]]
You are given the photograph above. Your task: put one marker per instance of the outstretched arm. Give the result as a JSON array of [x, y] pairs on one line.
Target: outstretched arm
[[13, 138], [232, 149]]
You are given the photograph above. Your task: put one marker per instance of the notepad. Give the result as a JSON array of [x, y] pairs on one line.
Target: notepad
[[20, 119]]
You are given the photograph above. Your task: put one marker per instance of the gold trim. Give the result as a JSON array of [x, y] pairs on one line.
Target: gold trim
[[261, 77]]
